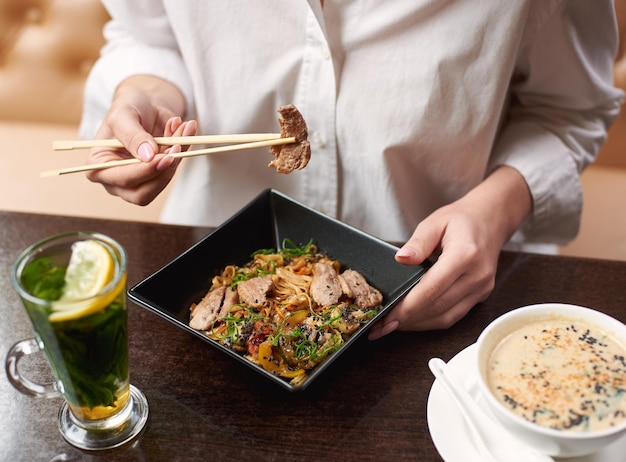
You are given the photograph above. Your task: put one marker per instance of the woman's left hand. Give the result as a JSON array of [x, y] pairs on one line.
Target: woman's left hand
[[466, 237]]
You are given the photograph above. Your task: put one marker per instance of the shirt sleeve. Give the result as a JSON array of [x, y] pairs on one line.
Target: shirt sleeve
[[562, 104], [139, 40]]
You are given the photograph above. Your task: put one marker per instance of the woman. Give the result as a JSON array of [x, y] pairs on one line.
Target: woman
[[454, 127]]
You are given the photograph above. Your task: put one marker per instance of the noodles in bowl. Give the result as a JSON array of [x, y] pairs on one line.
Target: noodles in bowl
[[286, 310]]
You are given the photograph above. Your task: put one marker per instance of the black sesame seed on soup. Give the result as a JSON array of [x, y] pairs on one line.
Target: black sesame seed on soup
[[561, 373]]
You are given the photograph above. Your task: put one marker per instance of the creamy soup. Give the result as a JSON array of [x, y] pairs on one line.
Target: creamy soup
[[562, 374]]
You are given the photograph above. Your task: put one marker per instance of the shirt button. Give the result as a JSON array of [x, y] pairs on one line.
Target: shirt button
[[325, 52], [317, 141]]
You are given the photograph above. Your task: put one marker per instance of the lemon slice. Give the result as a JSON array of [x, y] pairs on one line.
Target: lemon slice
[[90, 269]]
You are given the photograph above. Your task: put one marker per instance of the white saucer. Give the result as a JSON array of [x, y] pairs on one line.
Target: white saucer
[[449, 432]]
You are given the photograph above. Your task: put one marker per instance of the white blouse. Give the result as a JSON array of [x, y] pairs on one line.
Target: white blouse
[[409, 104]]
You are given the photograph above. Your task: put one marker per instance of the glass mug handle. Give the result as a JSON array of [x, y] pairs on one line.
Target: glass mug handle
[[21, 383]]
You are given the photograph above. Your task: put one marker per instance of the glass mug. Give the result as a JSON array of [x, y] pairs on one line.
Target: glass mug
[[86, 345]]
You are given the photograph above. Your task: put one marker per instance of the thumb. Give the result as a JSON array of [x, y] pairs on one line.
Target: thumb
[[425, 241], [129, 130]]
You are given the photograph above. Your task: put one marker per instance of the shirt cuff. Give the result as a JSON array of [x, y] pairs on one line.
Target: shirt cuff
[[552, 178]]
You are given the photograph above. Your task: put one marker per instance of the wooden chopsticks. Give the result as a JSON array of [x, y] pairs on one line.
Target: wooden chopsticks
[[263, 140], [64, 145]]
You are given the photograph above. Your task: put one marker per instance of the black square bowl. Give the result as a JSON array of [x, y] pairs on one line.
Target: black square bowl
[[264, 223]]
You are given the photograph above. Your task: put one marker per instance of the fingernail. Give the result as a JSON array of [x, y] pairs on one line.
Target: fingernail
[[175, 123], [145, 152], [164, 163], [190, 128], [405, 252], [389, 328], [168, 162]]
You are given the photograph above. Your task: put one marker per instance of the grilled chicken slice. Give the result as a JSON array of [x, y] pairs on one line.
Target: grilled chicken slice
[[253, 292], [355, 286], [325, 287], [294, 156], [207, 310], [231, 297]]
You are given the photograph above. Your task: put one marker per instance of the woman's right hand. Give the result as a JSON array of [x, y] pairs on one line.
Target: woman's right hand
[[143, 107]]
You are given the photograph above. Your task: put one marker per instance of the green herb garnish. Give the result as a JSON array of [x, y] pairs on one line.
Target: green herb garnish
[[291, 249]]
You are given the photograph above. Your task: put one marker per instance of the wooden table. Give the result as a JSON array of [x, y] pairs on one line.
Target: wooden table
[[369, 405]]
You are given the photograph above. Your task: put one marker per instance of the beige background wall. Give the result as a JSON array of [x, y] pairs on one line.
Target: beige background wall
[[46, 50]]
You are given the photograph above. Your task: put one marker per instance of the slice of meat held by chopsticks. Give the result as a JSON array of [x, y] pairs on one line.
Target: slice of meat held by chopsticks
[[295, 156], [290, 148]]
